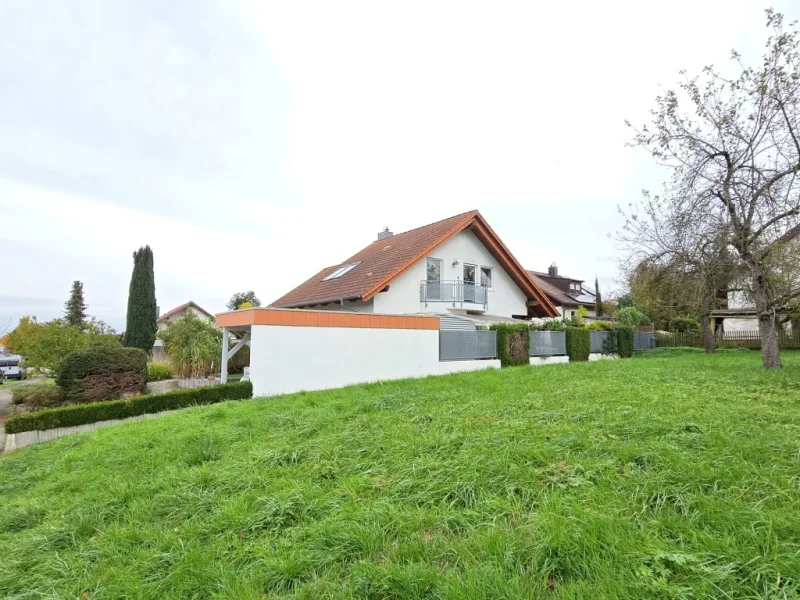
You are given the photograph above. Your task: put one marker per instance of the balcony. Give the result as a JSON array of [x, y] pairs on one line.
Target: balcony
[[457, 293]]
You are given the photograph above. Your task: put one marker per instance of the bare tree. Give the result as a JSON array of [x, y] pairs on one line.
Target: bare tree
[[733, 147]]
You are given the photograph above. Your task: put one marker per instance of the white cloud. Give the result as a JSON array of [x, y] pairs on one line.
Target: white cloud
[[252, 144]]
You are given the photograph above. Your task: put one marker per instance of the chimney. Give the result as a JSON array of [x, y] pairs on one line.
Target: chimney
[[552, 270], [385, 234]]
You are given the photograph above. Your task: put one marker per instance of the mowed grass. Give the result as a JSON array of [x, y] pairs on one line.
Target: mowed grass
[[674, 476]]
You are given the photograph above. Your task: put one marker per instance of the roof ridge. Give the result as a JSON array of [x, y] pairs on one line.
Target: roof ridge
[[469, 212]]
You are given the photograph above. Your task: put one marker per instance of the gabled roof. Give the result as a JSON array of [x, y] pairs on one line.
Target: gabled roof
[[384, 260], [559, 296], [181, 308]]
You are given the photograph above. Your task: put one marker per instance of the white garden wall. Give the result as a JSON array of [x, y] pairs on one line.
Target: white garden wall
[[286, 359]]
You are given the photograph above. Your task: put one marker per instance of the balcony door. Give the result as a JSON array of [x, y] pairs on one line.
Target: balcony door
[[470, 272], [434, 279]]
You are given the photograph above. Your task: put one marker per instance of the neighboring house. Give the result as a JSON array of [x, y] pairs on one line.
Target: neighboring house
[[566, 293], [455, 266], [173, 315], [177, 312], [735, 312]]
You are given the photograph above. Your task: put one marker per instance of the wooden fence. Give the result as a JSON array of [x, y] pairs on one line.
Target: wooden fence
[[729, 339]]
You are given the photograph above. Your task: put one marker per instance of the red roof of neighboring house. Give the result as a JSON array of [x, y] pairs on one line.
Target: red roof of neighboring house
[[559, 296], [181, 308], [383, 260]]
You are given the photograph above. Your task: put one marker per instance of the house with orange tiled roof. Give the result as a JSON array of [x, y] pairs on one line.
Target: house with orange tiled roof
[[567, 293], [457, 266]]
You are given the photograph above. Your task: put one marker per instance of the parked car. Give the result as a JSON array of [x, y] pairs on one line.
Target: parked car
[[10, 367]]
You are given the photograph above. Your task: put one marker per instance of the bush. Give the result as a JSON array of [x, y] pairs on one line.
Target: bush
[[550, 325], [577, 343], [684, 324], [192, 344], [625, 341], [600, 326], [631, 317], [159, 371], [44, 345], [45, 393], [102, 373], [513, 343], [71, 416]]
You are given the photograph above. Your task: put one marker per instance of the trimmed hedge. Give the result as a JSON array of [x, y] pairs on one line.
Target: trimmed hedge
[[82, 414], [578, 344], [102, 373], [513, 343], [625, 341]]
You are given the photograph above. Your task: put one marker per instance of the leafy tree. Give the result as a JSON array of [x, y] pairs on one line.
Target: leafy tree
[[732, 145], [630, 317], [75, 307], [44, 345], [239, 299], [192, 345], [140, 328], [625, 300], [598, 301]]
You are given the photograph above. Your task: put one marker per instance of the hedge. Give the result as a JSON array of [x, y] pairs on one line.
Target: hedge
[[102, 373], [625, 341], [513, 343], [82, 414], [578, 344]]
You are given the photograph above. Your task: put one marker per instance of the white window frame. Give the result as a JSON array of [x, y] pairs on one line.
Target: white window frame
[[341, 271], [464, 275], [490, 287]]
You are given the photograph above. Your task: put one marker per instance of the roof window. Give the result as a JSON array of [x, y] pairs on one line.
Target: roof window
[[341, 271]]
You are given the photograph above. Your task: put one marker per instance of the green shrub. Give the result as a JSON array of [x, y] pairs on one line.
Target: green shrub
[[600, 326], [577, 344], [71, 416], [610, 343], [631, 317], [44, 393], [513, 343], [684, 324], [159, 371], [625, 341], [102, 373], [550, 325], [192, 345]]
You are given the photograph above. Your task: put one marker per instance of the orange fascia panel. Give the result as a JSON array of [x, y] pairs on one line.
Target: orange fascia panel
[[307, 318]]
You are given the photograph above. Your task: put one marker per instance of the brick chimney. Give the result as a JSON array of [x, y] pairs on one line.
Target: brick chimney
[[552, 270]]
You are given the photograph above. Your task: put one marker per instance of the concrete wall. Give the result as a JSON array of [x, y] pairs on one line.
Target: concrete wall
[[505, 297], [286, 359]]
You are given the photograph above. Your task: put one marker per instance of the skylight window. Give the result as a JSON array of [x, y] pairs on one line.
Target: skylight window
[[341, 271]]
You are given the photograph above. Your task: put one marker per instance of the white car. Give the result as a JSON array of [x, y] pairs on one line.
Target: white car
[[10, 367]]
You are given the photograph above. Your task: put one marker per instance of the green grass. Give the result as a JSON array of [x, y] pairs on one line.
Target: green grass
[[675, 476]]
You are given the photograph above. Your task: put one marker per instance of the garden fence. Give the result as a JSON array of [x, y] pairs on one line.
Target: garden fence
[[729, 339], [467, 345], [548, 343]]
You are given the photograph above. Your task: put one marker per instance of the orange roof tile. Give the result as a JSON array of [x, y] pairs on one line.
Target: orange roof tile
[[383, 260]]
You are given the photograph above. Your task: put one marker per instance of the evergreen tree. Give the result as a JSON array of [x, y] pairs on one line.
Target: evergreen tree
[[75, 307], [598, 301], [140, 328]]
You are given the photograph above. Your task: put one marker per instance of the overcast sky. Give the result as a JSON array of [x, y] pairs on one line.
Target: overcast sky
[[253, 143]]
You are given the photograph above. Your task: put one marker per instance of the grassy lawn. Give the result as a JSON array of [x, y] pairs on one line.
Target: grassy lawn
[[668, 477]]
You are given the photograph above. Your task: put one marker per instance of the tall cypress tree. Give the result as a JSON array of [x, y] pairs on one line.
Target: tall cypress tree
[[75, 307], [598, 301], [140, 328]]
